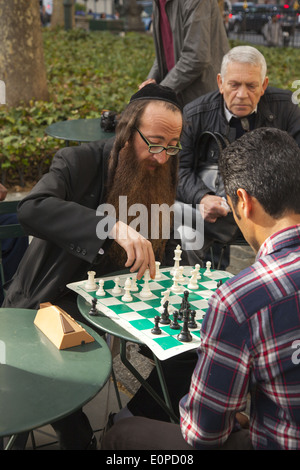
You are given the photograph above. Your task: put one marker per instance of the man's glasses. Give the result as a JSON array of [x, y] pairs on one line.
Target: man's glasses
[[156, 148]]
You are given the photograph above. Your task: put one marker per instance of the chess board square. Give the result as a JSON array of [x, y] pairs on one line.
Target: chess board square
[[108, 301], [121, 308], [148, 313], [167, 342], [130, 316], [199, 304], [142, 324]]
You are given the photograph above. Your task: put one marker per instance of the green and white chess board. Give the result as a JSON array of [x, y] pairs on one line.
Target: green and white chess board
[[137, 316]]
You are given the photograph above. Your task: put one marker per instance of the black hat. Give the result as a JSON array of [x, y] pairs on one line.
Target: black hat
[[152, 91]]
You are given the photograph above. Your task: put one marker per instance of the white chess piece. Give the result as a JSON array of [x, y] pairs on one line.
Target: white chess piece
[[193, 280], [134, 286], [91, 283], [207, 272], [127, 297], [197, 267], [177, 259], [166, 295], [175, 287], [101, 292], [117, 289], [181, 277], [146, 292], [157, 271]]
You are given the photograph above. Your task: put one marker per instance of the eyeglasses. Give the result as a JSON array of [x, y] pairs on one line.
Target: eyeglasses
[[156, 148]]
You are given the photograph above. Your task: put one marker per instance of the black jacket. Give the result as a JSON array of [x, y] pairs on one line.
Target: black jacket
[[60, 212], [275, 109]]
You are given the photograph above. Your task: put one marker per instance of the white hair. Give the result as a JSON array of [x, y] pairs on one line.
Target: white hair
[[245, 55]]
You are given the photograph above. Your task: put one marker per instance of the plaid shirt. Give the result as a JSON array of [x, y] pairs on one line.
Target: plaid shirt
[[251, 342]]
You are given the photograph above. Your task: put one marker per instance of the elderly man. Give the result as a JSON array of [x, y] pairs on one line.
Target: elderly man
[[243, 102], [140, 163], [250, 334]]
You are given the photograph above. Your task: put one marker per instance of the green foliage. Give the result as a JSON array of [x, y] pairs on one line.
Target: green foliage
[[88, 72]]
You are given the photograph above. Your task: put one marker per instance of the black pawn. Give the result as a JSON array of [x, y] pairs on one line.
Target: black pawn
[[156, 330], [93, 311], [174, 324], [219, 283], [192, 323], [185, 336], [165, 320]]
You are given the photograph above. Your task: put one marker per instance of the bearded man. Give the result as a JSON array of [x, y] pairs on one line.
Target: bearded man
[[60, 212], [140, 163]]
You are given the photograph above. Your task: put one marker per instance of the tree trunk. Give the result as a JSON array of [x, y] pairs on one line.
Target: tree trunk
[[22, 66]]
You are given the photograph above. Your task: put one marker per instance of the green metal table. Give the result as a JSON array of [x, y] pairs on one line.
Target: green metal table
[[39, 383], [106, 324], [78, 130]]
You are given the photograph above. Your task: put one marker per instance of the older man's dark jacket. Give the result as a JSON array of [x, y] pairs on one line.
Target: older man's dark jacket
[[275, 109]]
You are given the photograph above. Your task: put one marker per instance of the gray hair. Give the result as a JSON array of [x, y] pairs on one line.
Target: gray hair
[[245, 55]]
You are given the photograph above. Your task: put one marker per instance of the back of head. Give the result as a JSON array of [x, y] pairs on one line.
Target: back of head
[[244, 55], [266, 163]]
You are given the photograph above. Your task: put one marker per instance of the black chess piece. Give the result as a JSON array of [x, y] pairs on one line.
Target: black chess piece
[[174, 324], [185, 336], [156, 330], [192, 323], [184, 303], [219, 283], [93, 311], [165, 319]]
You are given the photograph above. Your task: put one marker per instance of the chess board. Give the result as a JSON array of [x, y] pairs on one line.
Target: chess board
[[137, 316]]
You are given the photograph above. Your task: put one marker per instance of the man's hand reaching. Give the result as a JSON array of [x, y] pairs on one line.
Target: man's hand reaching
[[140, 255]]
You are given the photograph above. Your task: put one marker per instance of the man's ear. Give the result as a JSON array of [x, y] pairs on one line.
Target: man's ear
[[244, 201], [220, 83]]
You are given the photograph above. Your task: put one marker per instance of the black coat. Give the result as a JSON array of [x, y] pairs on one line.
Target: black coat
[[60, 213], [275, 109]]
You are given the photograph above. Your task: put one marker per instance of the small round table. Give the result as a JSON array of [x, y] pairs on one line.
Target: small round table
[[78, 130], [106, 324], [39, 383]]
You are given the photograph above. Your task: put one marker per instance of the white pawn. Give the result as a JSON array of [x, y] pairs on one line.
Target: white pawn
[[175, 287], [181, 277], [208, 271], [134, 286], [193, 281], [117, 289], [101, 292], [127, 297], [91, 283], [146, 292], [157, 271], [197, 267]]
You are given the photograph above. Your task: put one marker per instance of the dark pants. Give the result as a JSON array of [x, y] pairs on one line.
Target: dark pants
[[139, 433], [177, 373]]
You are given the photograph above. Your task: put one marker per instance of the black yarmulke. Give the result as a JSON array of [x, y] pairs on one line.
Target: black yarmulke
[[152, 91]]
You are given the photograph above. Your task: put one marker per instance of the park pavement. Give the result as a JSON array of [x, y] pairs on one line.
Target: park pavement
[[105, 402]]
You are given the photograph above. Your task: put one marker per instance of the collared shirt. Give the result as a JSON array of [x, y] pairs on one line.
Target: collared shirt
[[250, 341]]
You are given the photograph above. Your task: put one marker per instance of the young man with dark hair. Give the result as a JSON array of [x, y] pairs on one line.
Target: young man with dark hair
[[251, 332]]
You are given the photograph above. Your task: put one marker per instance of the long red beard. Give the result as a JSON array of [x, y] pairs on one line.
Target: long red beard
[[142, 186]]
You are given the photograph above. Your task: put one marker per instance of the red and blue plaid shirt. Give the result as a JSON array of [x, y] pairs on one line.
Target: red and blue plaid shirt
[[250, 342]]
